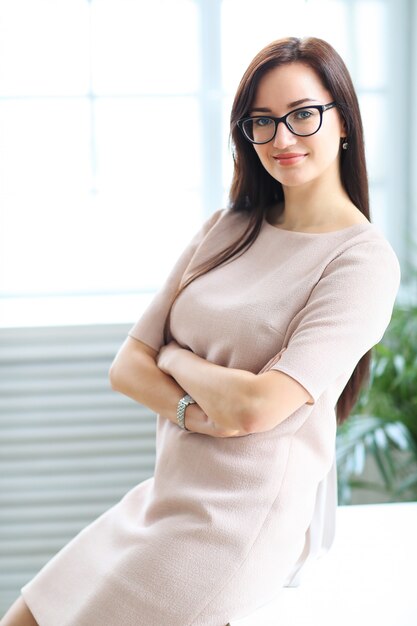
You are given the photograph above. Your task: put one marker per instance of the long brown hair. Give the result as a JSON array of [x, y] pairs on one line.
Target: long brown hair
[[253, 191]]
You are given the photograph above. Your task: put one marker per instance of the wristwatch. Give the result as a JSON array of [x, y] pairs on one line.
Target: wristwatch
[[182, 405]]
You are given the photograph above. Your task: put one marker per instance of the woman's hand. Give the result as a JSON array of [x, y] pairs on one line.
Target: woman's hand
[[195, 418], [166, 355], [135, 373], [198, 422]]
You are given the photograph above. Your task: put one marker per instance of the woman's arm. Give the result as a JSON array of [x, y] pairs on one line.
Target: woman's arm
[[234, 398], [134, 373]]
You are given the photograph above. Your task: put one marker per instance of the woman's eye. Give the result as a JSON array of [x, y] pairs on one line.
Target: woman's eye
[[305, 114], [263, 121]]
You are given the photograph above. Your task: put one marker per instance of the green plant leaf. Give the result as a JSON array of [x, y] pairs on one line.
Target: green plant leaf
[[383, 424]]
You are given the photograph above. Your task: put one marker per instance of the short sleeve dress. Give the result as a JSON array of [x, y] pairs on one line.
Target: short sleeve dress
[[224, 524]]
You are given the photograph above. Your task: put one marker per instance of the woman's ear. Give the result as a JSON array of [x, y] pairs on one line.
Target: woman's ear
[[343, 127]]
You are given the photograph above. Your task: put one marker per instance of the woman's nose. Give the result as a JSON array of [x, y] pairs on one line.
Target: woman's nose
[[284, 137]]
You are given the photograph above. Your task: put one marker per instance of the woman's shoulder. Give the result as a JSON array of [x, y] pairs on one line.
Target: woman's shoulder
[[367, 257], [220, 229], [368, 238], [226, 222]]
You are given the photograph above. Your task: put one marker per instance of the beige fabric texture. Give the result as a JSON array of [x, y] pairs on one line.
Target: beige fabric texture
[[224, 524]]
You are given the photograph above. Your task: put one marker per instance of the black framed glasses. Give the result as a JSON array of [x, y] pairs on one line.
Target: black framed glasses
[[302, 122]]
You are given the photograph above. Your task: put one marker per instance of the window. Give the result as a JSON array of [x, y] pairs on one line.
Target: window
[[114, 136]]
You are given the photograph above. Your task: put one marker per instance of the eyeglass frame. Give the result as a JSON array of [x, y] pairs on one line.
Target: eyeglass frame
[[320, 107]]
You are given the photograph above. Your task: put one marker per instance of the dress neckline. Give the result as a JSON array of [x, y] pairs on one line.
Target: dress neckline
[[298, 233]]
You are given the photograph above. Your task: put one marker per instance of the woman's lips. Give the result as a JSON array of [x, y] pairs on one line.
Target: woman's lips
[[289, 158]]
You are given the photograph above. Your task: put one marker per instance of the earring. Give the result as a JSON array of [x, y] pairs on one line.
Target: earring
[[345, 144]]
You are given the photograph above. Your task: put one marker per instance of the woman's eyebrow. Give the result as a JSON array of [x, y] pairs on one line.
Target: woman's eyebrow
[[297, 103], [290, 105]]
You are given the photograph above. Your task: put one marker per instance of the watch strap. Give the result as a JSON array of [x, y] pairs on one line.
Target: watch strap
[[182, 405]]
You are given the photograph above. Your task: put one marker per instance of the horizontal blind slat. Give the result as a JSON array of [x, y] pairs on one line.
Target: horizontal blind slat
[[70, 447]]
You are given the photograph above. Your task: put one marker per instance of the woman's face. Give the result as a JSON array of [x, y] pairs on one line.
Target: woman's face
[[281, 90]]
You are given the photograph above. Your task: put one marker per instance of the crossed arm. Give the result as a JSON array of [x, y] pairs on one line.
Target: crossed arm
[[230, 402]]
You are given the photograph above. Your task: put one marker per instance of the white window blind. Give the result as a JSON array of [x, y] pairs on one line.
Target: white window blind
[[70, 447]]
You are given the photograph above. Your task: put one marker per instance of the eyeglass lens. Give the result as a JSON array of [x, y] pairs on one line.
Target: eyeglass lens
[[301, 122]]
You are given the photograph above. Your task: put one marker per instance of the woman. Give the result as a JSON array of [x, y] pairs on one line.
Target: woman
[[264, 325]]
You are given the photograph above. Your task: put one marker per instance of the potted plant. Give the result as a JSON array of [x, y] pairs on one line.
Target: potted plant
[[382, 429]]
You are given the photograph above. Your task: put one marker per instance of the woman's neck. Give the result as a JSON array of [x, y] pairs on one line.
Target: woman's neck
[[314, 206]]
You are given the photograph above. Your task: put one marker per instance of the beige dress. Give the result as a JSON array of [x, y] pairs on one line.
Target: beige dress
[[225, 523]]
